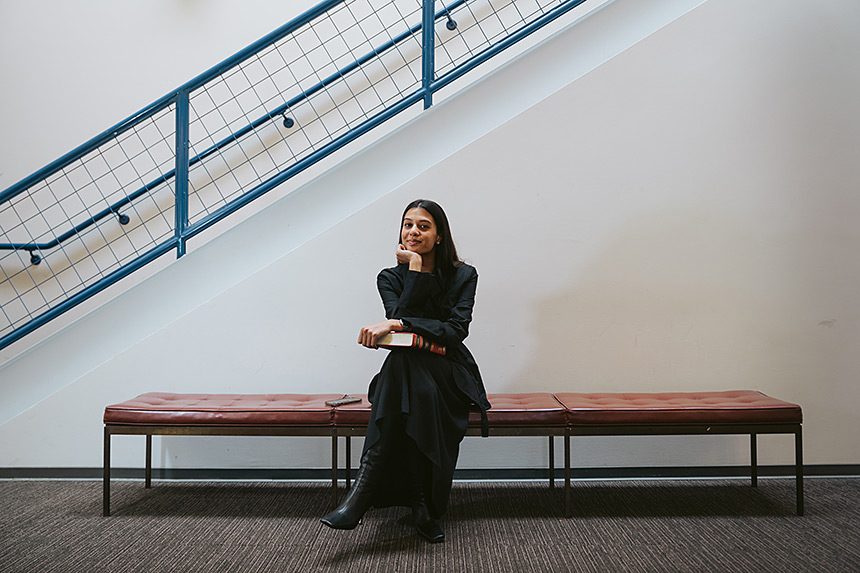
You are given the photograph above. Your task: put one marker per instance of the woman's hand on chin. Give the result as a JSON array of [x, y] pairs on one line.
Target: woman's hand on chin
[[368, 335], [411, 257]]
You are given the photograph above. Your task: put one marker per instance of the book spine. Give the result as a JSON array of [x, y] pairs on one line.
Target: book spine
[[424, 344]]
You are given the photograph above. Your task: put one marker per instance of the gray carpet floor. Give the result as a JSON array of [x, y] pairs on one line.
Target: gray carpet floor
[[691, 525]]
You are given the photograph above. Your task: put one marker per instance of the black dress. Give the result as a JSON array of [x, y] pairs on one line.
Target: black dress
[[421, 399]]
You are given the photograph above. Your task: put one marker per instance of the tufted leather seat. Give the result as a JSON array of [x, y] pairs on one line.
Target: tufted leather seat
[[538, 409], [731, 407], [535, 409], [164, 409], [355, 414]]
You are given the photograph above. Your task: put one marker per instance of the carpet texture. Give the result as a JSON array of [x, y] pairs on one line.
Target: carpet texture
[[692, 525]]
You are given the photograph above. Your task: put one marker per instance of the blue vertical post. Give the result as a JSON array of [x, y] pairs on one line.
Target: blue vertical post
[[181, 179], [428, 48]]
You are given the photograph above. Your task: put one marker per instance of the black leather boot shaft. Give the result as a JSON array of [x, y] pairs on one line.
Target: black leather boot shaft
[[428, 527], [359, 499]]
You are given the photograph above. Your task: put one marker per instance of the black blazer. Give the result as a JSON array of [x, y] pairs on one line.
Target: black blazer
[[441, 310]]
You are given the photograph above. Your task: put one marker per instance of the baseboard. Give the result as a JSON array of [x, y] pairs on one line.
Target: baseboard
[[488, 474]]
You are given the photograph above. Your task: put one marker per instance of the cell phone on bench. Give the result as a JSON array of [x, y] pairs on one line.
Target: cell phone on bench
[[347, 399]]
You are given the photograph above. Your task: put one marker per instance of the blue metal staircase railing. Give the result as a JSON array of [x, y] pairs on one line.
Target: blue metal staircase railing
[[230, 135]]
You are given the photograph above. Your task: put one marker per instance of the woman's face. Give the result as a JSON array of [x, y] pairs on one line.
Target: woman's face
[[419, 233]]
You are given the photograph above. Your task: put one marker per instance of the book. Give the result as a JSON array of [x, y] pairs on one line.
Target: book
[[409, 340]]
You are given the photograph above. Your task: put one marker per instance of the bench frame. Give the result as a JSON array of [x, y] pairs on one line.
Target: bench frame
[[753, 430], [172, 430], [348, 432]]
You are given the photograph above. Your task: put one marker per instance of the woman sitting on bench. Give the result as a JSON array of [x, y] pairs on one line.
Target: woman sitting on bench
[[421, 400]]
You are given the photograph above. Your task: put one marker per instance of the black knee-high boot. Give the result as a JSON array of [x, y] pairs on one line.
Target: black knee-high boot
[[419, 470], [360, 497]]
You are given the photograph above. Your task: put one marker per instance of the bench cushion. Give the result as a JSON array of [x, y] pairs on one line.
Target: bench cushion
[[731, 407], [356, 414], [164, 409], [533, 409], [536, 409]]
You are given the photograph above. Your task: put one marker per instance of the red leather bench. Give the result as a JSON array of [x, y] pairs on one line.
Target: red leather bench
[[536, 414], [299, 415], [688, 413], [165, 414]]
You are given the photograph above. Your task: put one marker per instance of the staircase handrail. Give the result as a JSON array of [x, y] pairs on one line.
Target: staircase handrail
[[183, 231]]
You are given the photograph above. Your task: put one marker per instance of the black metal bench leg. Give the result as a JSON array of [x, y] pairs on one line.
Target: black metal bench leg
[[147, 478], [567, 473], [754, 459], [798, 461], [551, 463], [106, 476], [348, 460], [334, 469]]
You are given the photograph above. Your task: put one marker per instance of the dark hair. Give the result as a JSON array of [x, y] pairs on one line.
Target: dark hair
[[446, 253]]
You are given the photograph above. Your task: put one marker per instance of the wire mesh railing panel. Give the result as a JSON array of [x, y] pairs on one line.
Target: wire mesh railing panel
[[67, 230], [302, 93], [482, 23]]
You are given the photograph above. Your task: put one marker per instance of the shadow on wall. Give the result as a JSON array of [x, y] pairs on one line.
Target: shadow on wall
[[678, 301]]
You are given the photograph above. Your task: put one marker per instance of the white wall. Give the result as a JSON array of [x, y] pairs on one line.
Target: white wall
[[681, 218]]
